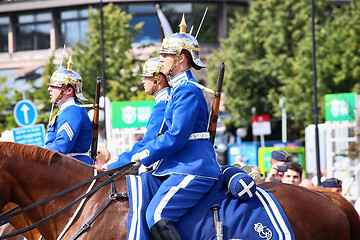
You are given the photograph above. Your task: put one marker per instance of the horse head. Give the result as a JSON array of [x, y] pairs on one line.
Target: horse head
[[29, 174]]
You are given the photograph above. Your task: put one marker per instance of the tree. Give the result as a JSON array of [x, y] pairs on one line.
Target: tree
[[268, 54], [120, 65], [7, 120], [40, 95]]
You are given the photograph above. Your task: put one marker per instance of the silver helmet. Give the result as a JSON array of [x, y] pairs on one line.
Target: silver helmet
[[153, 67], [65, 77], [176, 42]]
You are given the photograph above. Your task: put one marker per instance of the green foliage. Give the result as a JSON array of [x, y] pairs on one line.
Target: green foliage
[[7, 120], [268, 54], [40, 95], [119, 62]]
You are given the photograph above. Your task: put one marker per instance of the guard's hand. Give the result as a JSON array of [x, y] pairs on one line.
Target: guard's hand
[[104, 168], [136, 160]]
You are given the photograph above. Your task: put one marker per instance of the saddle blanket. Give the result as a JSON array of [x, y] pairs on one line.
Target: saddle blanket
[[261, 217]]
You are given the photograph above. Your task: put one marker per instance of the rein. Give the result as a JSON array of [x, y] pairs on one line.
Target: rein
[[77, 210], [6, 218], [113, 196]]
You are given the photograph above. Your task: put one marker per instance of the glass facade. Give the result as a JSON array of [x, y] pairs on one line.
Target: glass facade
[[208, 30], [74, 25], [32, 31], [4, 29], [146, 13]]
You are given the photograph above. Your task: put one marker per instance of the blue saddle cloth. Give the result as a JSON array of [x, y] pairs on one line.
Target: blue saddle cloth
[[259, 218]]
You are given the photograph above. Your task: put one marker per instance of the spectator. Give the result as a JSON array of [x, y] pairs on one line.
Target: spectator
[[333, 184], [293, 174], [306, 183], [103, 157], [278, 157]]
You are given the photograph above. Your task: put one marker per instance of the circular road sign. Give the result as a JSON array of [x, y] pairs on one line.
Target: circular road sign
[[25, 113]]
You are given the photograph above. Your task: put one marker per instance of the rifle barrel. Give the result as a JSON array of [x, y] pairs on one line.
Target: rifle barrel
[[95, 133], [216, 104]]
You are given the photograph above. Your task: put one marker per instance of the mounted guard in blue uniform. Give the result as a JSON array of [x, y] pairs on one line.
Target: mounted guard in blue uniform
[[156, 83], [70, 130], [187, 168]]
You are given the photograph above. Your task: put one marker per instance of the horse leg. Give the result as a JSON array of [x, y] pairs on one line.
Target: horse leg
[[20, 222], [7, 229]]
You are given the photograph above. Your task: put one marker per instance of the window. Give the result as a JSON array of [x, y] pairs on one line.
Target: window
[[4, 29], [150, 32], [208, 31], [33, 31], [74, 25], [174, 11], [193, 15]]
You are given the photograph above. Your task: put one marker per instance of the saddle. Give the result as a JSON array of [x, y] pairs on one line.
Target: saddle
[[239, 208]]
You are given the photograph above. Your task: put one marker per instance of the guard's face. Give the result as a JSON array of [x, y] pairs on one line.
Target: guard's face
[[167, 60], [54, 93], [148, 83]]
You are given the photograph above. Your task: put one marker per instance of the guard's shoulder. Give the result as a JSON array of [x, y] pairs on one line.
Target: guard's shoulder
[[73, 110]]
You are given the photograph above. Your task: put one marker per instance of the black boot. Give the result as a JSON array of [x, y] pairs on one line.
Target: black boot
[[165, 230]]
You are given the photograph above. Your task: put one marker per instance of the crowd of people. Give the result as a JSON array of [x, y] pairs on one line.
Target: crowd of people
[[284, 170]]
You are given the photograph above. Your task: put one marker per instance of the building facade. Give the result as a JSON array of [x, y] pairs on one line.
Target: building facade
[[32, 31]]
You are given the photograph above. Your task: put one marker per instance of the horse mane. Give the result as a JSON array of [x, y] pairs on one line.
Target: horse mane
[[31, 152], [344, 205]]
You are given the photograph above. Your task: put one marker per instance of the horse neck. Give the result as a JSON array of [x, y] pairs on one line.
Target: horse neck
[[33, 181]]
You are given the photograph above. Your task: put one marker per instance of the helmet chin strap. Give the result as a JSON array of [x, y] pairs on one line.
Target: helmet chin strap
[[177, 55], [154, 85], [61, 94]]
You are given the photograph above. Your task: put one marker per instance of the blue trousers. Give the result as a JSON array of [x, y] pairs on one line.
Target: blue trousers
[[175, 196]]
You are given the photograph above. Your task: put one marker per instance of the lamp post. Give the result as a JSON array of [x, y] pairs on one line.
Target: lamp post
[[317, 145], [282, 103], [253, 112]]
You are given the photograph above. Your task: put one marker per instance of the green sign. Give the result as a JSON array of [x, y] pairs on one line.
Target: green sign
[[340, 107], [264, 155], [128, 114]]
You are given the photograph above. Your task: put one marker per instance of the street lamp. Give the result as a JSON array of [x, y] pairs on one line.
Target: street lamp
[[282, 103]]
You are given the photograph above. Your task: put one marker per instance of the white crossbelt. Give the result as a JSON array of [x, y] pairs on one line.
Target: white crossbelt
[[200, 135], [75, 154]]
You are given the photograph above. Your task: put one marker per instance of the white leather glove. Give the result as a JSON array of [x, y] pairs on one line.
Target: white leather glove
[[136, 159]]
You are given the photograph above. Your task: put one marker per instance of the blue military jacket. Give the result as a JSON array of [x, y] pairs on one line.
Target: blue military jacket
[[70, 131], [153, 128], [185, 113]]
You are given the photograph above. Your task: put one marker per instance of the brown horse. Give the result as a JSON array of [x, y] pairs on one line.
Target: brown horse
[[17, 223], [29, 174], [345, 206]]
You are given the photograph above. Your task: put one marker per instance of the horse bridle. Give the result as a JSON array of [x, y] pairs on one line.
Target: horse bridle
[[113, 196]]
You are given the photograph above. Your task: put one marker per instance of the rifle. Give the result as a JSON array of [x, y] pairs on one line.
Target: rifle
[[216, 104], [95, 132]]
